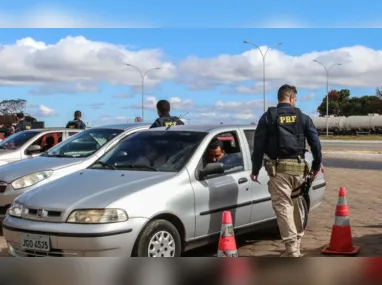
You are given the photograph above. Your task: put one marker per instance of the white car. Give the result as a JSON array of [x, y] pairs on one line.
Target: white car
[[31, 143], [76, 153]]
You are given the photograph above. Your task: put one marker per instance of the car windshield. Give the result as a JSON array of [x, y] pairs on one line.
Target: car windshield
[[165, 151], [17, 140], [84, 143]]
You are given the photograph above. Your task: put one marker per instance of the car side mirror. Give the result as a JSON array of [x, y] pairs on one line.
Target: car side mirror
[[34, 148], [210, 169]]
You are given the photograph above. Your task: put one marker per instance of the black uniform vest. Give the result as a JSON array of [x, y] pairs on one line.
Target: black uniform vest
[[23, 126], [286, 137], [75, 124], [170, 121]]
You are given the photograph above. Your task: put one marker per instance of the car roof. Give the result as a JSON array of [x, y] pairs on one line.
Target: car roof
[[205, 128], [124, 126], [49, 129]]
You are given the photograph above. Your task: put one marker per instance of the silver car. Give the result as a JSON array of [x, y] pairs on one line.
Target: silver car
[[154, 195], [77, 152], [31, 143]]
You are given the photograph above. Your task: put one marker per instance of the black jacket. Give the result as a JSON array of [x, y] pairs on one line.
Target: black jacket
[[76, 124], [165, 121], [262, 135], [22, 126]]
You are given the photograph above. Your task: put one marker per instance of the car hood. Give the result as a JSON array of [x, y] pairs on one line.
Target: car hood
[[12, 171], [90, 188]]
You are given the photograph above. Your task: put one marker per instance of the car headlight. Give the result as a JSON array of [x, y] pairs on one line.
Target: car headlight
[[31, 179], [15, 210], [97, 216]]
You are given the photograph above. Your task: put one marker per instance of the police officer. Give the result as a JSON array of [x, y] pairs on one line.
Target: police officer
[[77, 123], [165, 119], [280, 134], [22, 125]]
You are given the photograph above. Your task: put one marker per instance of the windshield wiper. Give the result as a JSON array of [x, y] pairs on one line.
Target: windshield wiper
[[58, 155], [137, 166], [107, 165]]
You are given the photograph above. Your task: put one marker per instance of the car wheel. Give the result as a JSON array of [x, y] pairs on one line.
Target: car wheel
[[305, 211], [159, 238]]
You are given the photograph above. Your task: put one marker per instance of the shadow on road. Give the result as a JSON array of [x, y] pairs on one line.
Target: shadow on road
[[370, 245], [352, 164], [241, 240]]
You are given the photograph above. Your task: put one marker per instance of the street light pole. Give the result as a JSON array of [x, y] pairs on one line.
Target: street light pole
[[327, 70], [143, 75], [263, 56]]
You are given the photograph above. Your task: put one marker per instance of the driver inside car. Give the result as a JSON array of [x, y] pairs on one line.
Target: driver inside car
[[215, 153]]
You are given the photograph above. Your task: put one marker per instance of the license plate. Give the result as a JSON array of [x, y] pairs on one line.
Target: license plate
[[35, 242]]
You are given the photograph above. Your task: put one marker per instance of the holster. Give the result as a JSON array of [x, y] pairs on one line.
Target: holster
[[270, 167]]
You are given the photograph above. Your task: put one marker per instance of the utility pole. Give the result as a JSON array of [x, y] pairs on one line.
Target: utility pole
[[327, 70], [143, 75], [263, 54]]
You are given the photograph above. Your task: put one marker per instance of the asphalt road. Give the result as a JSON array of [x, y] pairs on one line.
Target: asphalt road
[[352, 145], [351, 163]]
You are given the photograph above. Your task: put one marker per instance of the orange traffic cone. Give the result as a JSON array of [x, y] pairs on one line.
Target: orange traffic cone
[[227, 243], [341, 239]]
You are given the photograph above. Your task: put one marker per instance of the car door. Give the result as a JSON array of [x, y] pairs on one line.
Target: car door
[[260, 197], [229, 191], [46, 140]]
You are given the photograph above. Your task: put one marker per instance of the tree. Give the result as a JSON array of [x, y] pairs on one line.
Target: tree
[[337, 100], [8, 107], [341, 104]]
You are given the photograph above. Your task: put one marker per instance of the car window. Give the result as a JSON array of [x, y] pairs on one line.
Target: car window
[[250, 136], [84, 144], [224, 148], [48, 141], [166, 151], [72, 133], [17, 140]]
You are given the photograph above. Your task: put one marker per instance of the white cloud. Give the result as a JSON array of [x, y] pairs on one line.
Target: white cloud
[[62, 17], [226, 112], [176, 103], [66, 88], [107, 120], [307, 97], [78, 61], [361, 67], [41, 111]]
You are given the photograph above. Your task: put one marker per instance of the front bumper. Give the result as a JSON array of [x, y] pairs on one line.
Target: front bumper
[[73, 240]]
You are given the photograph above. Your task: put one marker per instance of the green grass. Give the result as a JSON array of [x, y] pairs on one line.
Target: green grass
[[355, 138]]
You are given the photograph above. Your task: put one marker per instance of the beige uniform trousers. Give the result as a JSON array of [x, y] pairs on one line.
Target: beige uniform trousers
[[288, 211]]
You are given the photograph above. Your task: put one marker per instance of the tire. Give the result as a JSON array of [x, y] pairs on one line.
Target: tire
[[151, 233]]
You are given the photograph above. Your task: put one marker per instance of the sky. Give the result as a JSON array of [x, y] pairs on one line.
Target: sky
[[205, 70]]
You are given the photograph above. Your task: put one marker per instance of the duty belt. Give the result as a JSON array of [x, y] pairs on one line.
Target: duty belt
[[290, 165]]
